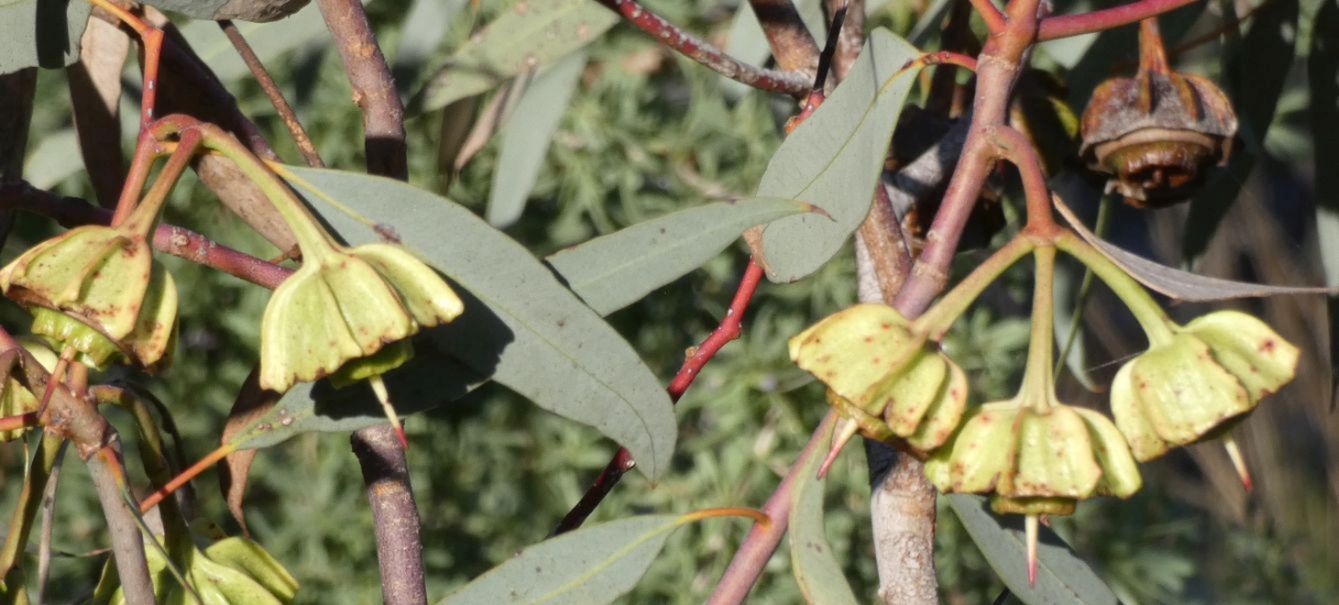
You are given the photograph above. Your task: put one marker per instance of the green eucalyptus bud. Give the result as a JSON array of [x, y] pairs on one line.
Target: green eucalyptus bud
[[228, 572], [1211, 371], [873, 363], [106, 280], [1035, 460], [345, 305]]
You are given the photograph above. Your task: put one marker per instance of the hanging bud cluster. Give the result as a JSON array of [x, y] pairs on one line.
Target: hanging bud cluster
[[1033, 454]]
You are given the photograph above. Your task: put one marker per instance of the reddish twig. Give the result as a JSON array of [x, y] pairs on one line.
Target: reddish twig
[[697, 358], [792, 83], [174, 240], [21, 421], [272, 92], [1017, 148], [995, 21], [792, 44], [1072, 25]]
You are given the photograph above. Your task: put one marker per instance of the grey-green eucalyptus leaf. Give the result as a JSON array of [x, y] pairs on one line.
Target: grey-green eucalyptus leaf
[[529, 35], [615, 270], [40, 33], [1062, 576], [834, 158], [526, 135], [521, 328], [588, 566], [811, 559]]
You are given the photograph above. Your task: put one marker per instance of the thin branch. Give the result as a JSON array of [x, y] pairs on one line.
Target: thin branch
[[697, 358], [276, 96], [373, 87], [399, 546], [47, 527], [1017, 148], [792, 44], [792, 83], [132, 569], [995, 20], [174, 240], [763, 538], [1108, 18]]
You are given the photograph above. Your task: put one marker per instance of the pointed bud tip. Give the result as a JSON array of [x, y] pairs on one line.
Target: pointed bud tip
[[841, 435], [1032, 530]]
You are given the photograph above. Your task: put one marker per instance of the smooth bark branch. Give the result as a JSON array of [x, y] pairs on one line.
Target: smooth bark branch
[[1064, 26], [790, 82], [380, 454], [373, 87], [394, 513], [792, 44], [127, 541]]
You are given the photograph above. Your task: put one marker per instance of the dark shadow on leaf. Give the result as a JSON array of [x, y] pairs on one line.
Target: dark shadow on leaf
[[52, 34]]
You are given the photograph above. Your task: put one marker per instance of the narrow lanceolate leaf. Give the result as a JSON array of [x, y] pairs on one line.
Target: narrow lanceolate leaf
[[833, 160], [588, 566], [269, 40], [1257, 70], [245, 10], [615, 270], [1062, 576], [529, 35], [526, 136], [38, 33], [521, 327], [1323, 69], [816, 569], [1175, 283]]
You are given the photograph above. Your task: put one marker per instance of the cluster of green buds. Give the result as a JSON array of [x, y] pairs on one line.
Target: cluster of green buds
[[97, 294], [227, 571], [347, 312], [1032, 454]]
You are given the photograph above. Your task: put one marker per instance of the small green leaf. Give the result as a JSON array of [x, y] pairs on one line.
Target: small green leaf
[[588, 566], [612, 271], [834, 158], [527, 36], [526, 135], [40, 33], [816, 571], [1062, 577], [245, 10], [521, 327]]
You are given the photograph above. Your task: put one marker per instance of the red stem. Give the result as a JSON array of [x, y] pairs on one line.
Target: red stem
[[21, 421], [1017, 148], [1109, 18], [622, 461], [792, 83], [995, 20]]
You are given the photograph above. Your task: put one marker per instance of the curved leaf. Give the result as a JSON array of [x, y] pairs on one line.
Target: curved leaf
[[521, 327], [834, 158], [529, 35], [526, 135], [1175, 283], [1062, 577], [588, 566], [613, 271], [816, 570], [40, 33]]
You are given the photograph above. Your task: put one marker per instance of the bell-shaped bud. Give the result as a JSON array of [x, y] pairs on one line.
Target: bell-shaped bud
[[346, 305], [1035, 460], [109, 296], [229, 571], [1214, 369], [873, 364]]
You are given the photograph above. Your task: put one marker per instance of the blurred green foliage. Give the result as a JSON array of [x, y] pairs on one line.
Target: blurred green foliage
[[648, 132]]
